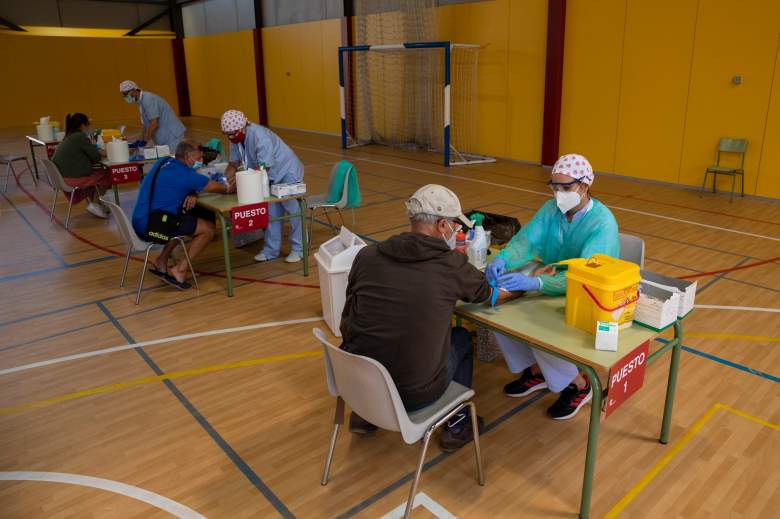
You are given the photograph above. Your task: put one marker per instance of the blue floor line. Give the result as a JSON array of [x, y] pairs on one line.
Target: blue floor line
[[37, 233], [435, 461], [725, 362], [33, 273], [245, 469]]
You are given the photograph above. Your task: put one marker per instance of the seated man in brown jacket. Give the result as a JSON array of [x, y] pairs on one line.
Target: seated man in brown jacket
[[398, 310]]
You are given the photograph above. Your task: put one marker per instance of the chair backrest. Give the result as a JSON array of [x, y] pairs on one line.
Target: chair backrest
[[365, 385], [344, 200], [731, 145], [55, 177], [632, 248], [125, 226]]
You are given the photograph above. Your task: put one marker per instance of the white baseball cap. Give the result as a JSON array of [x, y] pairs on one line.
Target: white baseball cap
[[436, 200]]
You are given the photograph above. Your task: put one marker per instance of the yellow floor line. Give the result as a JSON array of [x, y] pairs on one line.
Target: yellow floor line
[[148, 380], [757, 338], [675, 450]]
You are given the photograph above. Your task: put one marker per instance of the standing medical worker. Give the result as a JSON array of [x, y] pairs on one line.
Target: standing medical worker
[[250, 146], [157, 117], [572, 225]]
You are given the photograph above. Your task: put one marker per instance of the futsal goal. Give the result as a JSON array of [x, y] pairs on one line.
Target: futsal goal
[[417, 96]]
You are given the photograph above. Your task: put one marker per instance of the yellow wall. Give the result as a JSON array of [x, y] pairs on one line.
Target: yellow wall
[[55, 75], [647, 87], [221, 74], [301, 75]]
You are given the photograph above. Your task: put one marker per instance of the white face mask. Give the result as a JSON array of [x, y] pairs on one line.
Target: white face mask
[[567, 200], [129, 99], [452, 240]]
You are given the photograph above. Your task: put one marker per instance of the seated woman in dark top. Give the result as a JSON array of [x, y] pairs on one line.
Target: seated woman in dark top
[[76, 157]]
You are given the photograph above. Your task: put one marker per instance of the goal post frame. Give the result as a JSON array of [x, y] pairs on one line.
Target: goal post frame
[[446, 47]]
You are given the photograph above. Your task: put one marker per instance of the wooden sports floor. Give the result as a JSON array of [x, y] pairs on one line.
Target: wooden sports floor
[[233, 422]]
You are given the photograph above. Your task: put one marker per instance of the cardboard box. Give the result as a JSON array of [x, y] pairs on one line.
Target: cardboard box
[[657, 307], [282, 190], [606, 336], [150, 153], [687, 289]]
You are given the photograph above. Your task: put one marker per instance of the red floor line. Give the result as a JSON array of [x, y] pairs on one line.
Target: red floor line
[[91, 243], [732, 269]]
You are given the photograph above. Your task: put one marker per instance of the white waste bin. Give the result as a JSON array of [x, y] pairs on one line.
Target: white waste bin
[[334, 259]]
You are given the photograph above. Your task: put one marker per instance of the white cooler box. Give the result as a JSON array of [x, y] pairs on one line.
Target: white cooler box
[[334, 259]]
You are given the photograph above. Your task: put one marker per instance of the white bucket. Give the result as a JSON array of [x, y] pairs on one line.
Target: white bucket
[[252, 186], [118, 151], [45, 132]]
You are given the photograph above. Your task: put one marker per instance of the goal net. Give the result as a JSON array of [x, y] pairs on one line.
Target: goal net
[[401, 88]]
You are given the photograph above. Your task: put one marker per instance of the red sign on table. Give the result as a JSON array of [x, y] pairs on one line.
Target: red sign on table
[[626, 377], [249, 218], [51, 147], [124, 173]]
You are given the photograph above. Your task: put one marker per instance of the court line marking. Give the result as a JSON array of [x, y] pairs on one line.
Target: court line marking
[[420, 500], [139, 494], [545, 194], [725, 362], [153, 342], [739, 308], [731, 336], [676, 449], [110, 388]]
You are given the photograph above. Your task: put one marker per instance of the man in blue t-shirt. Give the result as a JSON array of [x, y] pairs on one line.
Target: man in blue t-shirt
[[176, 191]]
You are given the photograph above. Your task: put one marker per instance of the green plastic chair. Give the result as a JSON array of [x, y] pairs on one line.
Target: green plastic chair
[[728, 145]]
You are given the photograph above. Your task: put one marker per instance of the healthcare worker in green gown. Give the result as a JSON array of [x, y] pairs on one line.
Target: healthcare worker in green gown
[[572, 225]]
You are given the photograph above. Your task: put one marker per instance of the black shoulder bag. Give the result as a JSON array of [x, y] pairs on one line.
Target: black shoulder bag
[[162, 226]]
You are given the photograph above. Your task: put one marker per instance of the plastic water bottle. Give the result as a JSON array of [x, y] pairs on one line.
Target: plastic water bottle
[[460, 242]]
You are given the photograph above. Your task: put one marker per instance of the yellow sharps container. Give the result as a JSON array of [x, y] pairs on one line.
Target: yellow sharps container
[[601, 288]]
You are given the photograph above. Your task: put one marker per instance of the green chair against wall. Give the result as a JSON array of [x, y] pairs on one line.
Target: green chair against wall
[[728, 145]]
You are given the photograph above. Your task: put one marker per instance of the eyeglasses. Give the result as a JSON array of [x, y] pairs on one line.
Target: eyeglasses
[[457, 226], [563, 186]]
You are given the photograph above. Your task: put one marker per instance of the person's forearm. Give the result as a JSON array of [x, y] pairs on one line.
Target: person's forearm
[[151, 130]]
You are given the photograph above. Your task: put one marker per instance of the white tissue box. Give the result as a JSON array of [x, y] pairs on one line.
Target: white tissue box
[[606, 336], [282, 190], [150, 153]]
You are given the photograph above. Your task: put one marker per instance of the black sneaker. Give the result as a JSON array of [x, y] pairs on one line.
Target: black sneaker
[[571, 400], [457, 432], [525, 385], [359, 426]]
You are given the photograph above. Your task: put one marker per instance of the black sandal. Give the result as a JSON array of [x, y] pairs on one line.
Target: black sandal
[[181, 285]]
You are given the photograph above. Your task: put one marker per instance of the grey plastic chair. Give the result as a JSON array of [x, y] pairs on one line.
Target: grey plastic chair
[[632, 248], [8, 162], [136, 244], [58, 184], [367, 387], [314, 202]]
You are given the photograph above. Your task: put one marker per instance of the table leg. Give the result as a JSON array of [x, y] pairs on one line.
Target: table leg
[[116, 193], [593, 440], [32, 156], [304, 234], [671, 385], [226, 250]]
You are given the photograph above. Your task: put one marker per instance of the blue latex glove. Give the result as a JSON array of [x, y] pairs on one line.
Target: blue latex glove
[[496, 268], [517, 281]]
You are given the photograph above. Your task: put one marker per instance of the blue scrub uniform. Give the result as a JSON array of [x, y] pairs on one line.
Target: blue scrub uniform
[[170, 130], [262, 146], [550, 237]]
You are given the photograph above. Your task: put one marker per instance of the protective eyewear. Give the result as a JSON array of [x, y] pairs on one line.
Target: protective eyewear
[[231, 135], [563, 186], [457, 226]]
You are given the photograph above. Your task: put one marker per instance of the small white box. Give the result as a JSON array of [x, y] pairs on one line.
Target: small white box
[[606, 336], [150, 153], [687, 289], [163, 151], [657, 306], [282, 190]]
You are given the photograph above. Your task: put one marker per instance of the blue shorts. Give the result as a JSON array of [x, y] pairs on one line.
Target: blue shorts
[[189, 220]]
